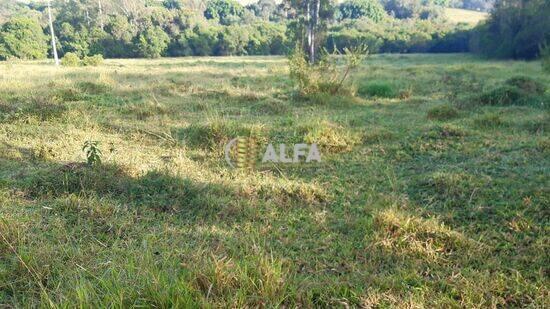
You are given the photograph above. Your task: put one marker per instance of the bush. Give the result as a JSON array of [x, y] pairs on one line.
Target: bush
[[94, 60], [324, 77], [70, 60], [378, 89]]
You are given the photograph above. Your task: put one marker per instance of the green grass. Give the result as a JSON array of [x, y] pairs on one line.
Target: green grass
[[429, 199]]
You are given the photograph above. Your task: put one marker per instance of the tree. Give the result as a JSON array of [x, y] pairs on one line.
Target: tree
[[172, 4], [22, 38], [403, 8], [353, 9], [224, 11], [311, 17], [263, 9], [516, 29], [152, 42]]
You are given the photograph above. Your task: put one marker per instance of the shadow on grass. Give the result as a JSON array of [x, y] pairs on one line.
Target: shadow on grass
[[40, 179]]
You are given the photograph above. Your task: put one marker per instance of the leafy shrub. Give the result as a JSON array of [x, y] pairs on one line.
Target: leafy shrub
[[94, 60], [92, 152], [442, 112], [323, 77], [378, 89], [70, 60]]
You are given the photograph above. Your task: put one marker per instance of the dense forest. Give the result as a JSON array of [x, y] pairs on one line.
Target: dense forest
[[150, 29]]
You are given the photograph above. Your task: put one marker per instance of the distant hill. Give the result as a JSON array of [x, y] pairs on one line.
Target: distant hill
[[465, 16]]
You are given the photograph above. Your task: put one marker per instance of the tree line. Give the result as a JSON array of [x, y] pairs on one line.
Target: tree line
[[150, 28]]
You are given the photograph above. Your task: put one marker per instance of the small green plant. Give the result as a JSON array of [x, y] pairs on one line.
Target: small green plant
[[93, 61], [70, 60], [93, 153]]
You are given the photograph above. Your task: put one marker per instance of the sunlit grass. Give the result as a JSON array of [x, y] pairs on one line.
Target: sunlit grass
[[425, 197]]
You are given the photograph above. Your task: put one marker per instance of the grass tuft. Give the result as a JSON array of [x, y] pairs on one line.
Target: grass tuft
[[379, 89], [426, 239], [443, 112], [330, 137]]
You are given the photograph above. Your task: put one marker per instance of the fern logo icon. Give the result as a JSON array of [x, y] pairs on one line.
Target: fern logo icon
[[246, 154]]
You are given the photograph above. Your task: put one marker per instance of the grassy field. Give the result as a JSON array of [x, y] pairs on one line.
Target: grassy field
[[433, 190], [465, 16]]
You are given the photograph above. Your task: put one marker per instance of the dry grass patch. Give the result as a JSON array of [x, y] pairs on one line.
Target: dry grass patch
[[331, 137], [427, 239]]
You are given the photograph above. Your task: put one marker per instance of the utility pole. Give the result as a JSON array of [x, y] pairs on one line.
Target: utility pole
[[54, 47]]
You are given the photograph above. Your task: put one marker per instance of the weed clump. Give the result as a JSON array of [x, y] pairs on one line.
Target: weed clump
[[295, 193], [94, 88], [503, 95], [145, 110], [273, 107], [324, 77], [216, 133], [378, 89], [526, 84], [377, 135], [69, 95], [452, 189], [445, 131], [443, 112], [489, 120], [519, 90]]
